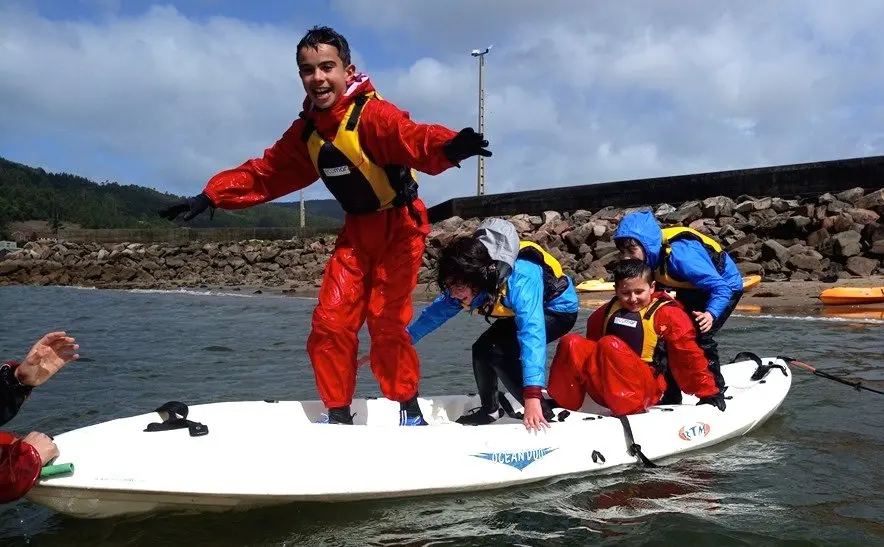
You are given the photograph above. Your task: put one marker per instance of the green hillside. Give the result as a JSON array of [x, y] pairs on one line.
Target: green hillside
[[28, 193], [329, 208]]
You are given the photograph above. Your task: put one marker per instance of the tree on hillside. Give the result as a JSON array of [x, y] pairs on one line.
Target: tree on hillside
[[28, 193]]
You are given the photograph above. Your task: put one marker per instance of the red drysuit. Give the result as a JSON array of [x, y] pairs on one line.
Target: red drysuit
[[19, 461], [610, 371], [374, 267], [19, 467]]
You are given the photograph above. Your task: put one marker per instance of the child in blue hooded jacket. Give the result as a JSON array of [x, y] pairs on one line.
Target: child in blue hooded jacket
[[706, 280], [533, 302]]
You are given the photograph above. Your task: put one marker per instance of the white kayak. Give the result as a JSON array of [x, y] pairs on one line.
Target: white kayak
[[259, 453]]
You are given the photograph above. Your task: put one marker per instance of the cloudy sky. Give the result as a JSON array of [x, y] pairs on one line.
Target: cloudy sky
[[164, 94]]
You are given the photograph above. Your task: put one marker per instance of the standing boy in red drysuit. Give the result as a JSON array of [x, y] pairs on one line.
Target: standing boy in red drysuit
[[366, 151]]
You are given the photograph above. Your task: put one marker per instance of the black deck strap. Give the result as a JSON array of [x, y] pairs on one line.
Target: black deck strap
[[174, 416], [634, 449], [761, 369]]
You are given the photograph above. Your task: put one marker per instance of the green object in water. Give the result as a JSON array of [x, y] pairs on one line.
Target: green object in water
[[59, 470]]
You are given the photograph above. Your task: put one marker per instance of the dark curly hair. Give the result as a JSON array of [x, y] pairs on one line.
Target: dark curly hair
[[465, 261], [328, 36]]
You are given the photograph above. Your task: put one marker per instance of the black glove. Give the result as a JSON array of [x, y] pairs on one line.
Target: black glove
[[190, 206], [466, 144], [716, 400]]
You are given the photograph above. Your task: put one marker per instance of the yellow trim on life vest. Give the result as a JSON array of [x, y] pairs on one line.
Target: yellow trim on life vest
[[650, 337], [499, 309], [670, 235], [347, 142], [548, 259]]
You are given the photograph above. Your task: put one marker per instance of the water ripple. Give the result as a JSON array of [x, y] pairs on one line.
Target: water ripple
[[809, 476]]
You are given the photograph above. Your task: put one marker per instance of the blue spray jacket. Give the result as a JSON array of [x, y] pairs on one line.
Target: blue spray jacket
[[525, 297], [688, 260]]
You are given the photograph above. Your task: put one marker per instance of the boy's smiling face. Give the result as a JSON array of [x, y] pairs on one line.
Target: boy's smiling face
[[323, 74], [634, 293]]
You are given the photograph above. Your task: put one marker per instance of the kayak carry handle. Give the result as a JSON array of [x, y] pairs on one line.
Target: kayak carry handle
[[174, 416], [57, 470], [761, 370]]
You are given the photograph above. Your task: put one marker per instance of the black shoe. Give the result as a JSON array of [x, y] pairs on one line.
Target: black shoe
[[408, 419], [480, 417], [410, 413], [339, 415]]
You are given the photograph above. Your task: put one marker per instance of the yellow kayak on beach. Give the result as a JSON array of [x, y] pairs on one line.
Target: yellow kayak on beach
[[595, 285], [600, 285], [751, 281]]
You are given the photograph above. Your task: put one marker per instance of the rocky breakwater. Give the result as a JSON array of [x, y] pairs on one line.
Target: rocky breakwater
[[284, 263], [782, 239]]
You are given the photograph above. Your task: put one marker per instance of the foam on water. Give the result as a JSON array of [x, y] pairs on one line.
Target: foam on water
[[867, 320], [191, 292]]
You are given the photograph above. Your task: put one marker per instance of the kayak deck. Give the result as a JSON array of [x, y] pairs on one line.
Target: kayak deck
[[260, 453]]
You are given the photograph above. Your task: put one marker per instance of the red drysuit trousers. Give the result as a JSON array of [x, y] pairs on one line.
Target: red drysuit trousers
[[609, 371], [371, 275]]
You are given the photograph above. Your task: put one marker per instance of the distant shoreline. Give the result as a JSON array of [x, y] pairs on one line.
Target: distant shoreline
[[782, 297]]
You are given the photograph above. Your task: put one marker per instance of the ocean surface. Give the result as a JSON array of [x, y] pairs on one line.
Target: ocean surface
[[811, 475]]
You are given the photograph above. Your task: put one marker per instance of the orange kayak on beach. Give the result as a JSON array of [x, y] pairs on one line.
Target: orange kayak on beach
[[852, 295]]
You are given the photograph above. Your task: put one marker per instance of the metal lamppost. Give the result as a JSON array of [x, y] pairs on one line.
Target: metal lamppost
[[302, 211], [480, 175]]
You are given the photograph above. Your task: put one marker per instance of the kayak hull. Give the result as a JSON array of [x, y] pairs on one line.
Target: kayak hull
[[260, 453], [852, 295], [751, 281], [595, 285]]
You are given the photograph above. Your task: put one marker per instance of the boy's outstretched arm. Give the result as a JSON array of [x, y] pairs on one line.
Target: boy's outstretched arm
[[284, 168], [392, 138]]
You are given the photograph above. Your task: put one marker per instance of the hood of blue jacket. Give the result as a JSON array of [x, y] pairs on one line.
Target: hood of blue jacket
[[642, 226]]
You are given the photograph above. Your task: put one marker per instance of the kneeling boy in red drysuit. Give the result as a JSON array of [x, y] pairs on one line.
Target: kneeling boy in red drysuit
[[629, 344]]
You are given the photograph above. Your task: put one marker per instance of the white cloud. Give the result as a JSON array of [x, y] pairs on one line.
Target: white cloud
[[585, 92]]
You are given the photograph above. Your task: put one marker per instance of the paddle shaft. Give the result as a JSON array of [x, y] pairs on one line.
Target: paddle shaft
[[857, 385]]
